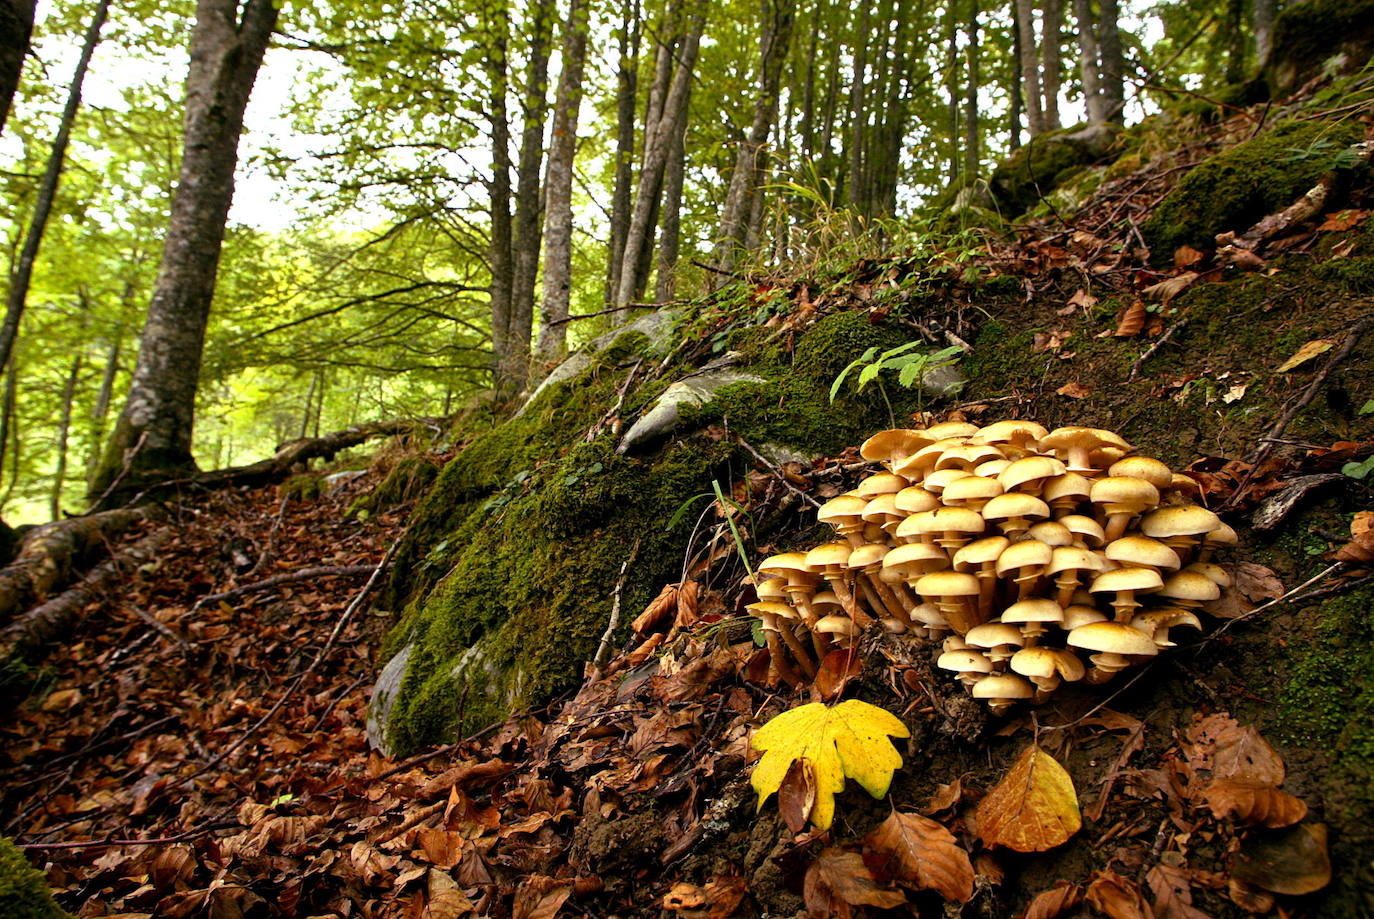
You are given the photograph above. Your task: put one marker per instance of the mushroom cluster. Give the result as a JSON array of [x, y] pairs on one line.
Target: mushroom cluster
[[1037, 557]]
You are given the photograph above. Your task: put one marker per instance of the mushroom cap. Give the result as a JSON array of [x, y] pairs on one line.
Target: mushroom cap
[[1179, 520], [992, 468], [829, 555], [882, 509], [1191, 587], [1003, 432], [773, 608], [964, 661], [895, 442], [915, 557], [1063, 441], [913, 499], [938, 480], [980, 552], [954, 642], [948, 520], [1141, 552], [1078, 614], [949, 429], [1033, 609], [1112, 638], [893, 626], [992, 634], [1029, 473], [825, 602], [1185, 485], [1015, 505], [882, 483], [971, 488], [1041, 662], [1216, 573], [1004, 686], [967, 456], [928, 614], [867, 555], [1085, 528], [771, 589], [947, 584], [838, 625], [1067, 489], [922, 463], [1120, 494], [1073, 558], [1221, 536], [1156, 623], [787, 563], [842, 509], [1027, 553], [1051, 532], [1146, 579], [1143, 467]]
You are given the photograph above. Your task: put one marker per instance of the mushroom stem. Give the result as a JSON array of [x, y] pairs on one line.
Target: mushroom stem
[[777, 657], [850, 604], [798, 650], [887, 600], [1116, 526]]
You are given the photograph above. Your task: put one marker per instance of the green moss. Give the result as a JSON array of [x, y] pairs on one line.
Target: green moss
[[1032, 172], [307, 486], [1355, 275], [1236, 188], [1307, 34], [24, 890], [406, 481]]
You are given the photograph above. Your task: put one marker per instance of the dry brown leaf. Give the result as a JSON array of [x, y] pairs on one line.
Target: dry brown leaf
[[1360, 549], [923, 854], [687, 605], [1052, 903], [1074, 390], [1187, 256], [1083, 300], [1034, 808], [1257, 805], [1291, 861], [1169, 288], [1231, 751], [945, 797], [1306, 353], [684, 896], [1132, 320], [838, 879], [1256, 582], [1342, 220], [442, 848], [1117, 897], [1172, 894], [540, 897], [657, 611], [1249, 897], [446, 898], [797, 795]]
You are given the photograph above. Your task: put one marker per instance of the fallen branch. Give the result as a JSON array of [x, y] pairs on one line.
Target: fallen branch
[[106, 843], [603, 650], [1178, 325], [776, 472], [289, 577]]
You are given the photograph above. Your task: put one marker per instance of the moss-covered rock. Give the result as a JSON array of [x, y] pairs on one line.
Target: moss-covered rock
[[1354, 274], [1032, 172], [406, 481], [1236, 188], [1319, 35], [307, 486], [24, 891]]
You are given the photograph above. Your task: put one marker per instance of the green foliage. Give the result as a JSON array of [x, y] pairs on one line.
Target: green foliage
[[909, 365], [24, 891]]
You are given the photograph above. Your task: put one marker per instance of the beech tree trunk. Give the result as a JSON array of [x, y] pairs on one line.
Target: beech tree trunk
[[627, 89], [16, 27], [972, 150], [1109, 39], [64, 426], [1017, 102], [670, 241], [1089, 56], [1052, 28], [47, 190], [1234, 29], [153, 434], [1030, 68], [952, 86], [100, 412], [499, 195], [553, 309], [1264, 29], [857, 85]]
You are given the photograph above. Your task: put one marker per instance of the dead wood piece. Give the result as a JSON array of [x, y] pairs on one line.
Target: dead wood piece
[[289, 577], [1276, 508], [26, 637], [50, 554]]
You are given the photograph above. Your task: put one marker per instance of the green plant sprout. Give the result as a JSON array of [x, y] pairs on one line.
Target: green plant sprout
[[911, 368]]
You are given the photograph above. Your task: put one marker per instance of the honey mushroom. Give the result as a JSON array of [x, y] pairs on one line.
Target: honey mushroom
[[831, 560]]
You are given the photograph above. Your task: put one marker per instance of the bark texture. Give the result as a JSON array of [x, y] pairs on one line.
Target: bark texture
[[1030, 67], [153, 434], [1089, 56], [16, 27]]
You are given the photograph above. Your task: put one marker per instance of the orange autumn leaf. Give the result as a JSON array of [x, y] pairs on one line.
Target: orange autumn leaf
[[923, 854], [1117, 897], [1052, 903], [838, 880], [1034, 808], [1132, 320], [1259, 805]]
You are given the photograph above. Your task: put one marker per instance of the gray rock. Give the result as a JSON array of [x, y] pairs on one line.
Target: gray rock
[[656, 326], [942, 381], [697, 389], [384, 697]]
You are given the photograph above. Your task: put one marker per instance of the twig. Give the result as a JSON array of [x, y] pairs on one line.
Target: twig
[[271, 536], [106, 744], [777, 473], [319, 722], [603, 650], [1099, 706], [163, 629], [714, 270], [163, 841], [1291, 412], [1291, 595], [609, 309], [303, 574], [1179, 324], [339, 626], [440, 751], [601, 422]]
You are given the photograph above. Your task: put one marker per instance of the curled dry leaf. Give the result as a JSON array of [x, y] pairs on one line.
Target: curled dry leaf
[[1360, 549], [1306, 353], [836, 670], [1169, 288], [1232, 751], [1034, 808], [1291, 861], [657, 611], [1052, 903], [540, 897], [1074, 390], [1117, 897], [446, 900], [838, 879], [1172, 893], [1132, 320], [1258, 805], [923, 854], [1250, 898]]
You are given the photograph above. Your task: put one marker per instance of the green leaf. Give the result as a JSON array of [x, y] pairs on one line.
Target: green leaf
[[868, 375], [1359, 470]]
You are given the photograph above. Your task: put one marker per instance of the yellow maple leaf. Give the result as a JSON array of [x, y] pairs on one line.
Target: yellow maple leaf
[[847, 740], [1034, 808]]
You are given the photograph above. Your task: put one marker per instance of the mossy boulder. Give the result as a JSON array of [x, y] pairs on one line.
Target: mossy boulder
[[24, 891], [406, 481], [308, 486], [1238, 187], [1316, 36], [1034, 171]]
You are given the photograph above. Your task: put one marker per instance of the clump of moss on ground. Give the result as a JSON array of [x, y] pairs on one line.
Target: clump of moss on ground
[[406, 481], [1238, 187], [24, 890], [1029, 174], [1356, 275], [308, 486]]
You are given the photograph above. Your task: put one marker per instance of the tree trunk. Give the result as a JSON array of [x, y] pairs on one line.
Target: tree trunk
[[665, 282], [656, 146], [101, 411], [1234, 29], [853, 184], [153, 434], [9, 425], [1017, 105], [627, 89], [1088, 61], [1109, 37], [528, 195], [64, 426], [558, 191], [309, 404], [1052, 28], [952, 86], [47, 190], [1264, 29], [1030, 68], [499, 195], [972, 151], [808, 108], [16, 27], [776, 40]]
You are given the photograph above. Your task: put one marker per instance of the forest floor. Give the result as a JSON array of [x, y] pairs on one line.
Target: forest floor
[[189, 753]]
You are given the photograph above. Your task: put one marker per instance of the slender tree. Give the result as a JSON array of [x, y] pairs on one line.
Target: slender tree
[[1264, 29], [16, 27], [153, 434], [1109, 42], [972, 151], [1089, 62], [1030, 67], [1052, 30], [627, 88]]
